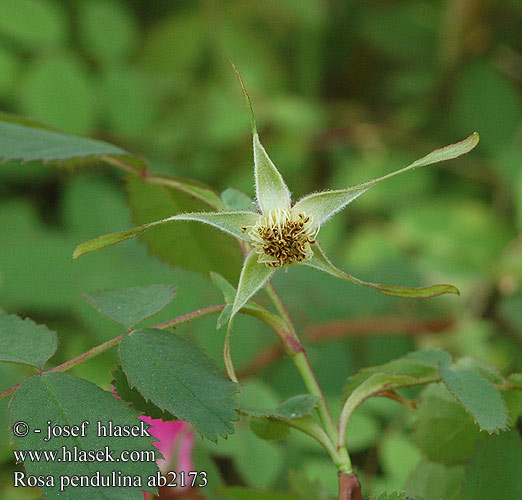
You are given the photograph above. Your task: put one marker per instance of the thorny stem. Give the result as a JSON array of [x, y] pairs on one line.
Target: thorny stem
[[180, 320], [302, 363]]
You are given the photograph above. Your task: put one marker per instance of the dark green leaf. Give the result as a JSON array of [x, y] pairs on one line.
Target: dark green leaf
[[478, 396], [66, 400], [188, 244], [25, 342], [132, 396], [31, 142], [495, 469], [444, 431], [179, 377], [128, 306]]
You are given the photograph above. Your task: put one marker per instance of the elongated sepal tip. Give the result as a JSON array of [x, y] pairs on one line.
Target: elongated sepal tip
[[247, 97]]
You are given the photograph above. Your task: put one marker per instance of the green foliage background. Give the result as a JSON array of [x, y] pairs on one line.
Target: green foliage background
[[344, 91]]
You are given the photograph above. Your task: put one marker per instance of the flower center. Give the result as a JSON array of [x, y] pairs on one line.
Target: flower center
[[282, 237]]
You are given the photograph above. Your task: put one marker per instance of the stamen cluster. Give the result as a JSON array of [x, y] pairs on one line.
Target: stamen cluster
[[282, 237]]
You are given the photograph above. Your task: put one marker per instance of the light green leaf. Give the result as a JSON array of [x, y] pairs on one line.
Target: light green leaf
[[495, 469], [253, 276], [376, 383], [236, 200], [29, 141], [271, 190], [129, 306], [189, 186], [295, 407], [179, 377], [321, 262], [417, 368], [436, 357], [478, 396], [229, 294], [23, 341], [269, 430], [229, 222], [443, 430], [228, 291], [321, 206], [66, 400], [227, 354]]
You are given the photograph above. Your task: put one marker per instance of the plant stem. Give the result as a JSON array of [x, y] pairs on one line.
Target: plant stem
[[349, 487], [304, 367], [180, 320]]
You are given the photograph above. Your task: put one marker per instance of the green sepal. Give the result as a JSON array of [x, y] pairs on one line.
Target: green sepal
[[271, 190], [321, 262], [229, 222], [321, 206]]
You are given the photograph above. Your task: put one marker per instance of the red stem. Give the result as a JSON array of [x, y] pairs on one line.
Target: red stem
[[349, 487]]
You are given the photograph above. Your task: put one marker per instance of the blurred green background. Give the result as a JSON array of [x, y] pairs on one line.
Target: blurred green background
[[344, 91]]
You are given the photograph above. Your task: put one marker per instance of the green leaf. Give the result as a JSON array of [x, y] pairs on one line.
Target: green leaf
[[271, 190], [412, 367], [129, 306], [236, 200], [380, 382], [203, 248], [191, 187], [229, 222], [241, 493], [495, 469], [229, 292], [478, 396], [443, 430], [253, 276], [23, 341], [28, 141], [295, 407], [132, 396], [179, 377], [68, 400], [435, 481], [321, 206], [321, 262], [270, 430], [271, 424], [436, 357]]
